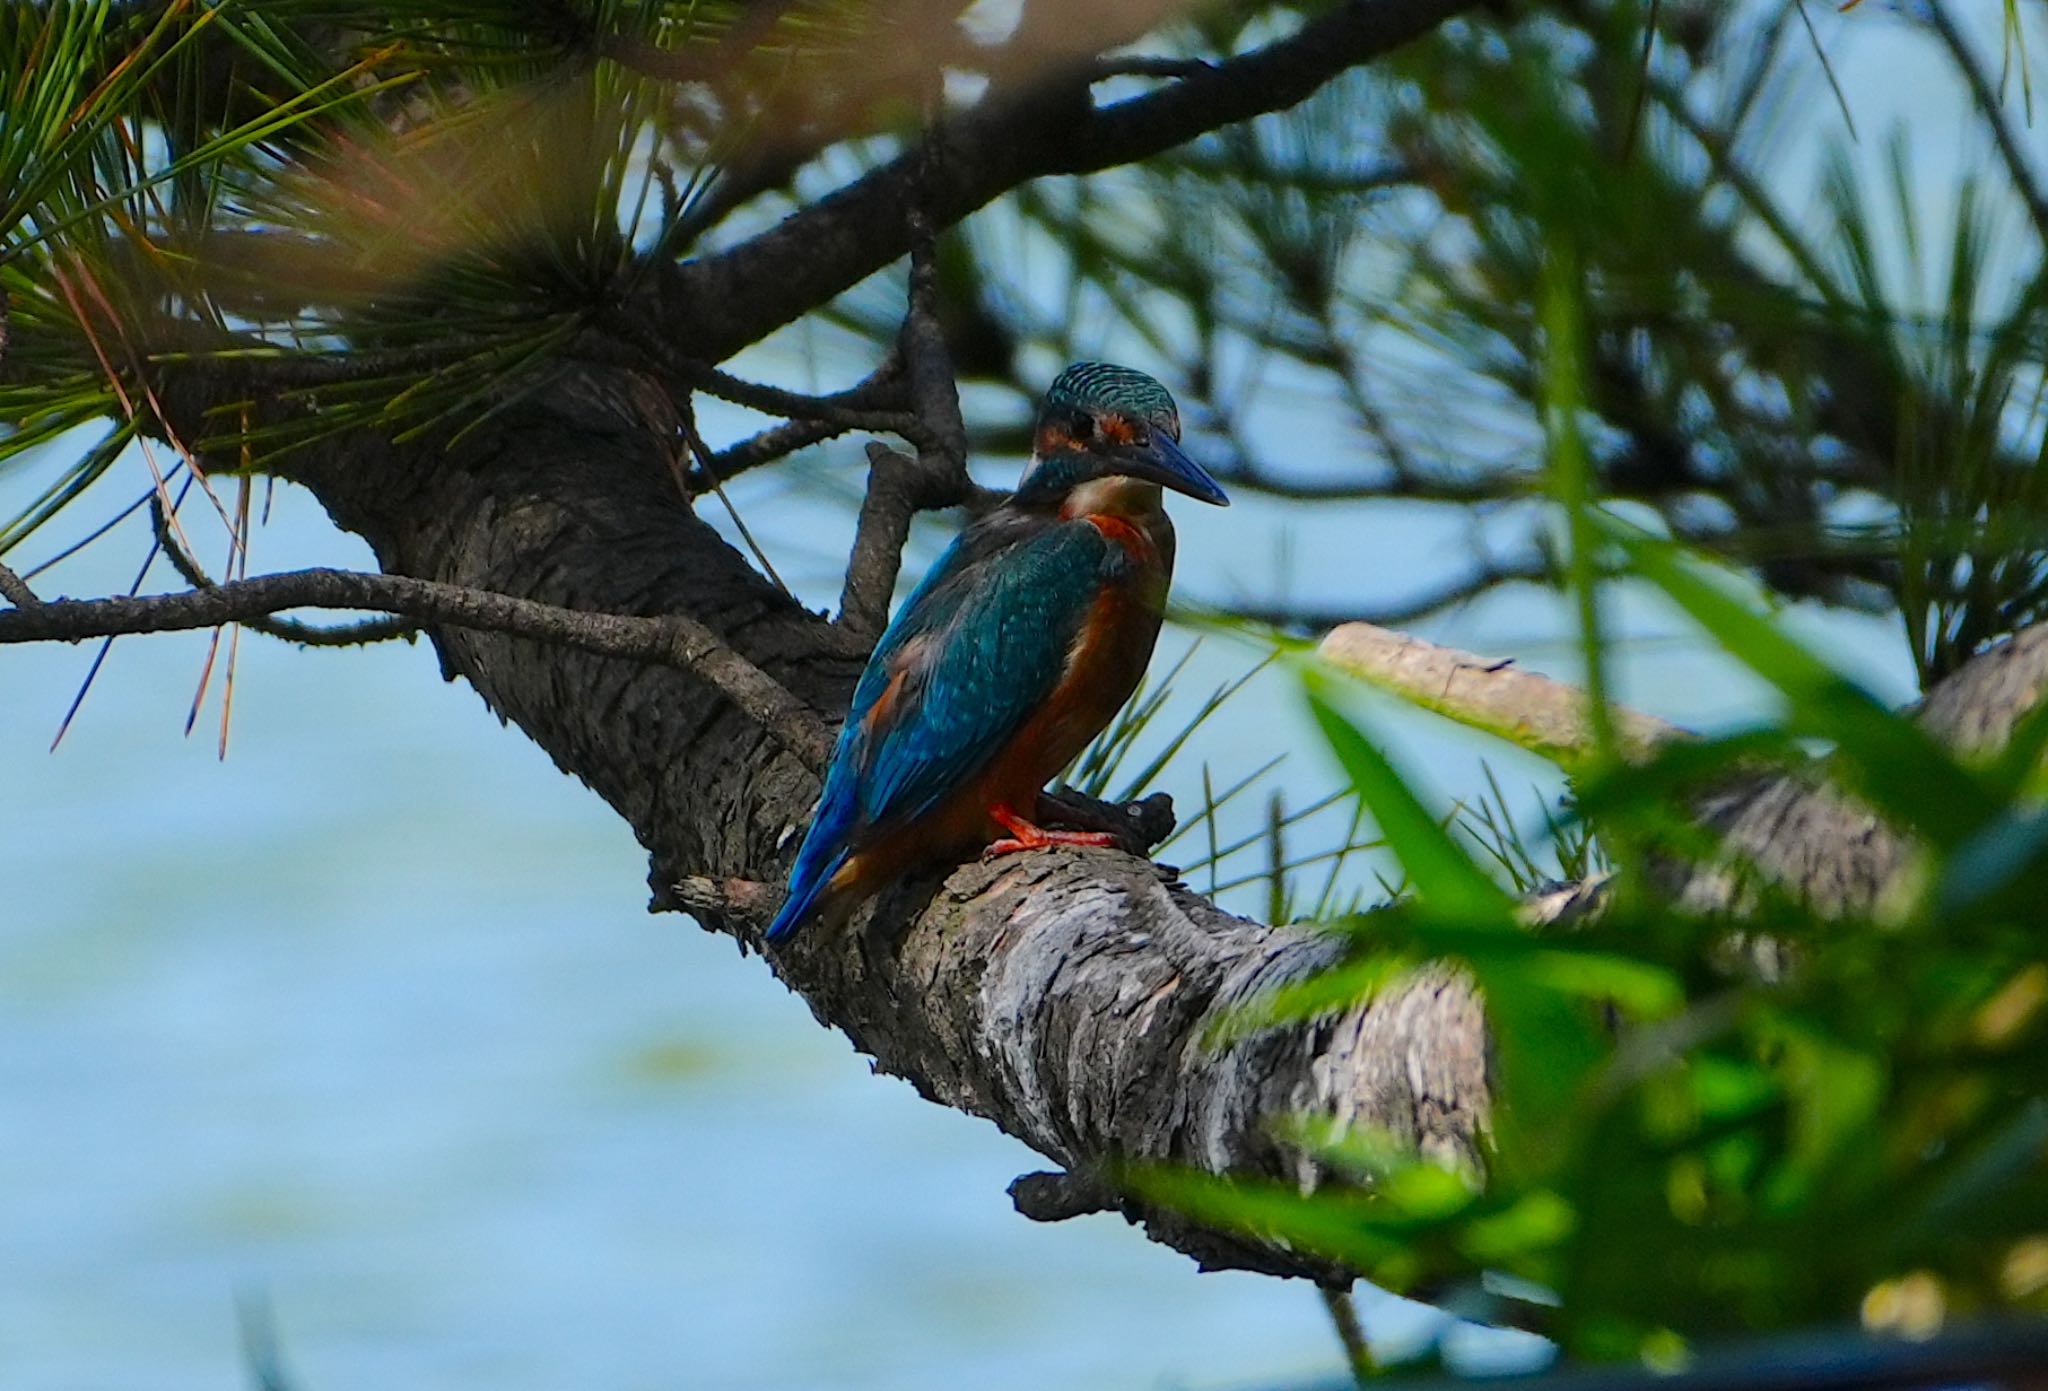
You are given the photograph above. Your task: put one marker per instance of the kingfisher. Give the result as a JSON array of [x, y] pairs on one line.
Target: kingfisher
[[1018, 648]]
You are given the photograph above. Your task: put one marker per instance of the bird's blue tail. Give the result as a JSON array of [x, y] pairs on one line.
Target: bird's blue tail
[[815, 866]]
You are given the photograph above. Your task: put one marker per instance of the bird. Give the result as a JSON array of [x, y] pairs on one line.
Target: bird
[[1019, 646]]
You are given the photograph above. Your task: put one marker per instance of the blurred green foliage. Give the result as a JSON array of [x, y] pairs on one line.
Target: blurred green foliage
[[1771, 1115], [1802, 352]]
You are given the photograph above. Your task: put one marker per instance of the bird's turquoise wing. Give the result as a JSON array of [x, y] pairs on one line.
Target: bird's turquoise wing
[[973, 652], [985, 660]]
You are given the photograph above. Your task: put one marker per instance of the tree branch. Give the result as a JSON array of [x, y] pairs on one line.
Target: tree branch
[[285, 629], [675, 640], [1523, 707], [775, 442], [15, 590], [899, 487], [1069, 996], [738, 296]]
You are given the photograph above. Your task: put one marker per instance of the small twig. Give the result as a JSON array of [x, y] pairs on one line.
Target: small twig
[[1344, 1315], [1535, 712], [672, 639], [701, 452], [360, 634], [775, 442], [876, 402], [15, 590]]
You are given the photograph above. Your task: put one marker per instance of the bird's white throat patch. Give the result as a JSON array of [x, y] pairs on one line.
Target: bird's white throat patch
[[1115, 496]]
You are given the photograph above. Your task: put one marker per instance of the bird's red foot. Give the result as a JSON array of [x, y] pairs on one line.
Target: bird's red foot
[[1026, 836]]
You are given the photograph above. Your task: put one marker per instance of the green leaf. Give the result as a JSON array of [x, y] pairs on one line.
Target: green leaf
[[1537, 1221], [1888, 758], [1447, 879]]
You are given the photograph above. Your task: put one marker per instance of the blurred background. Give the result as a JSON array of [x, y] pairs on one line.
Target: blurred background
[[366, 1026]]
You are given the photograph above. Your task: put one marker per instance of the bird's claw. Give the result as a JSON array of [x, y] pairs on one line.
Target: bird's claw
[[1010, 845]]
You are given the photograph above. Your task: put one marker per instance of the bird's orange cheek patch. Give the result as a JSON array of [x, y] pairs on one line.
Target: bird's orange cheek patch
[[1118, 430], [1052, 440]]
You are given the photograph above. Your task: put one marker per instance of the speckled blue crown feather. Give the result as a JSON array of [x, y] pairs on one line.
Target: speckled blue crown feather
[[1104, 386]]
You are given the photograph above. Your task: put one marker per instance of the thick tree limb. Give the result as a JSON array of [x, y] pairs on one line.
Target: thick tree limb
[[1064, 995], [1523, 707]]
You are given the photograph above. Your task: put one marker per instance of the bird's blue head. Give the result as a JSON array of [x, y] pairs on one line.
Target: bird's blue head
[[1103, 421]]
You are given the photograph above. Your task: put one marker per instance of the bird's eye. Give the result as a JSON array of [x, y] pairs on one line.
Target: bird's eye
[[1084, 428]]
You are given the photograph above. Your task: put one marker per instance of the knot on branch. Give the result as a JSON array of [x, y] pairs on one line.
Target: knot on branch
[[746, 900], [1140, 825], [1050, 1195]]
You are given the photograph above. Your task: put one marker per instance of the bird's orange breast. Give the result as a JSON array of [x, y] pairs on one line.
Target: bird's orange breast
[[1104, 666]]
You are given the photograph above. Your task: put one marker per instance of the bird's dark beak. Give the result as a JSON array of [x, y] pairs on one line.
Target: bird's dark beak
[[1160, 460]]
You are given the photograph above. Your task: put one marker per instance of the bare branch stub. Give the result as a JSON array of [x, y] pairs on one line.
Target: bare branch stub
[[15, 589], [748, 900]]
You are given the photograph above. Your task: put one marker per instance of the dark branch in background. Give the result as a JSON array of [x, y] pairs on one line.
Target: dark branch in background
[[1146, 65], [2025, 178], [739, 296], [1305, 617], [674, 639], [900, 487], [877, 403]]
